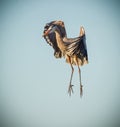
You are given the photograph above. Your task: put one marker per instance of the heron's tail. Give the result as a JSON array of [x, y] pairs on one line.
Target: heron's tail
[[82, 31]]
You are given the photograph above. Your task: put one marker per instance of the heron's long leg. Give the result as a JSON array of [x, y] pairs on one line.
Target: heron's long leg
[[70, 89], [81, 90]]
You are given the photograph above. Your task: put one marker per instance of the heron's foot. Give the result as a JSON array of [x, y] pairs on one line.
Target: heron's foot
[[81, 90], [70, 89]]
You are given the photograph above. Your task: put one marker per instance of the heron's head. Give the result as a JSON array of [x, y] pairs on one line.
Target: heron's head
[[51, 29]]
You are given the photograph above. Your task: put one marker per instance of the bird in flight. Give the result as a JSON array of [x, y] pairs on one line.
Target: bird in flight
[[74, 50]]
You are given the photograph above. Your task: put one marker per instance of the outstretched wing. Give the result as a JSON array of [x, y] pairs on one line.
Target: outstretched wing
[[51, 40], [77, 46], [51, 37]]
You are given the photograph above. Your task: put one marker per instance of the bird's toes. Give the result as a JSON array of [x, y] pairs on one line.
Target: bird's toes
[[70, 89]]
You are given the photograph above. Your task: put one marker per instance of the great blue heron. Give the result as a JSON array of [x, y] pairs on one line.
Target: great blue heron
[[73, 49]]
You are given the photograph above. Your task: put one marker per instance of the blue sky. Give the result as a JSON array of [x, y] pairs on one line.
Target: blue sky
[[33, 84]]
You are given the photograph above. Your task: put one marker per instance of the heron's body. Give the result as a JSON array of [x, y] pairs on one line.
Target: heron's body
[[60, 42], [73, 49]]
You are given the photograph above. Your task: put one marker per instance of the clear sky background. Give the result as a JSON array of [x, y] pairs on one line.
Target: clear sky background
[[34, 84]]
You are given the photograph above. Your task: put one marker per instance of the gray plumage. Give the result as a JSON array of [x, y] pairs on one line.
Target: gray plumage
[[73, 49]]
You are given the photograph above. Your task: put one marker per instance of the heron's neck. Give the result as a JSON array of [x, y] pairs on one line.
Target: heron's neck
[[60, 41]]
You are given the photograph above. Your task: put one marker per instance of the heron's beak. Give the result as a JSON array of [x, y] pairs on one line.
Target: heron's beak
[[46, 33]]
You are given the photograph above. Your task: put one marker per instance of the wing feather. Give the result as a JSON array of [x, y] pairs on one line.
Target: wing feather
[[77, 46], [51, 40]]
